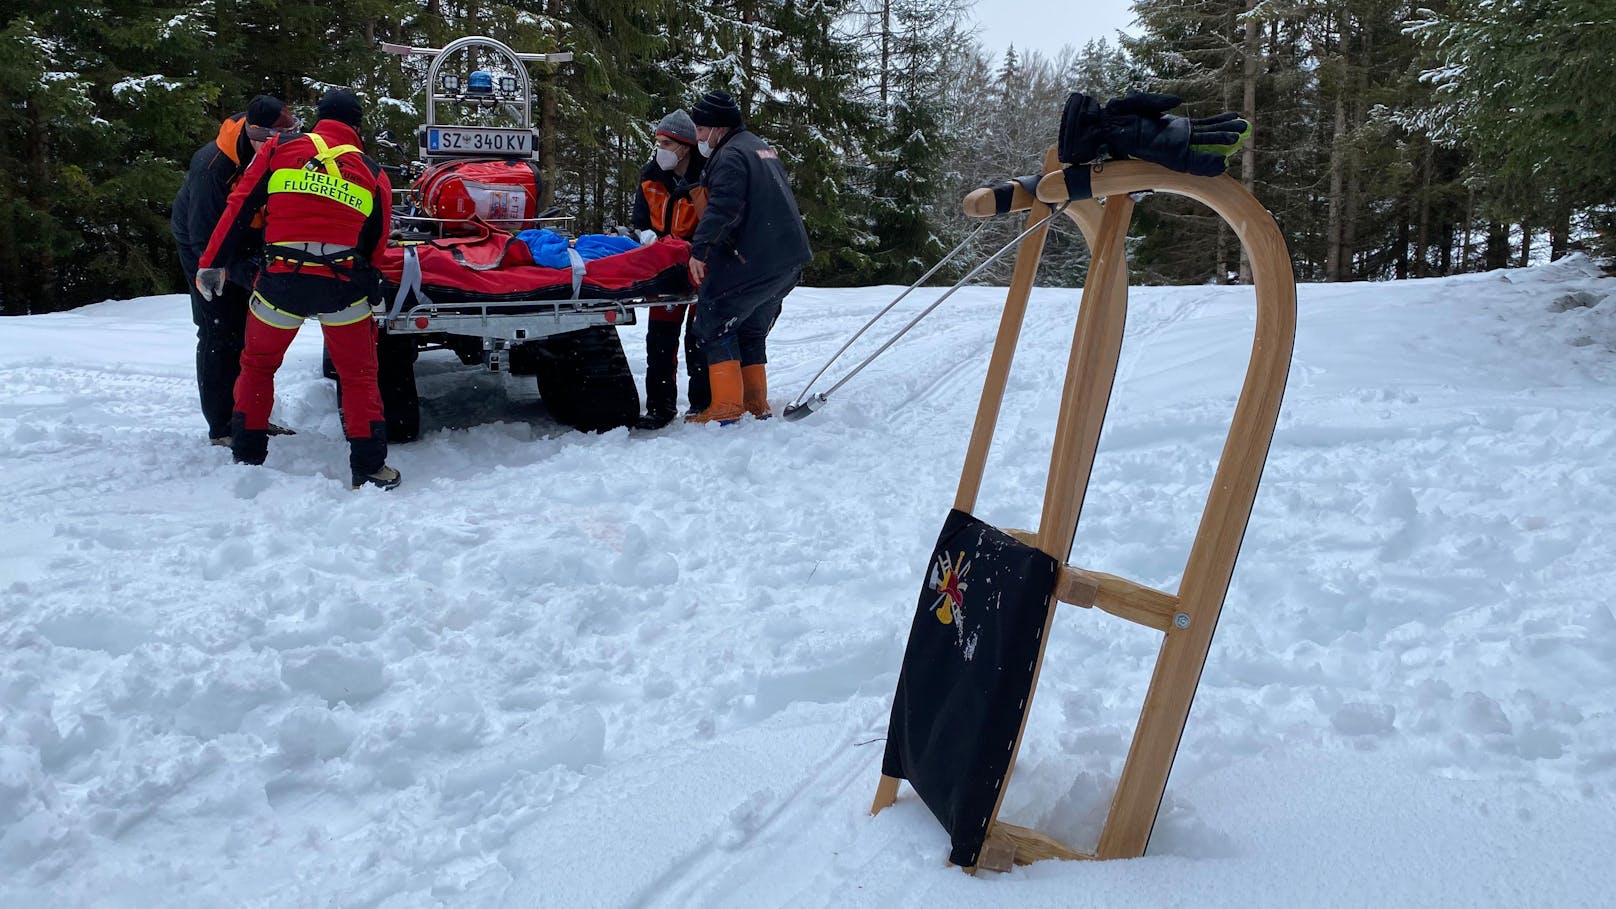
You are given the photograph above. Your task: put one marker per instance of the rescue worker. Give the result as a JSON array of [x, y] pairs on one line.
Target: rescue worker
[[669, 202], [747, 254], [327, 210], [222, 324]]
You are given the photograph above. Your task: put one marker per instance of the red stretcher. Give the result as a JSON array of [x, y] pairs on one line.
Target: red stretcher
[[487, 284]]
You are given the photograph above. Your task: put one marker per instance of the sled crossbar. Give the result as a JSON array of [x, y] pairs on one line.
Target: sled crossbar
[[1101, 202]]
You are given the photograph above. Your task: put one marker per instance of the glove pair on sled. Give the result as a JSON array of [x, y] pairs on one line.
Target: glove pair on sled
[[1137, 125]]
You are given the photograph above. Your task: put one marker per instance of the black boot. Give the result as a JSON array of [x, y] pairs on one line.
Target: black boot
[[367, 459], [661, 371], [247, 446]]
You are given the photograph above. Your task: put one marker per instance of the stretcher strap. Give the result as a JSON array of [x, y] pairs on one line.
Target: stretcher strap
[[409, 282], [578, 270]]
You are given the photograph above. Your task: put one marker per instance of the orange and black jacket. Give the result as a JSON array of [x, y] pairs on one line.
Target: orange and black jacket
[[668, 203], [315, 188], [214, 170]]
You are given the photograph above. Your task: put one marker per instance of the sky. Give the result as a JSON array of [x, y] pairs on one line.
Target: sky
[[655, 670], [1005, 22]]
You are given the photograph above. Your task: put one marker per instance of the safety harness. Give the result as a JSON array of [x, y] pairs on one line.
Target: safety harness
[[320, 176]]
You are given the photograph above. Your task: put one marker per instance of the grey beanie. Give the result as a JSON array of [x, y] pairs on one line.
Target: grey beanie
[[678, 126]]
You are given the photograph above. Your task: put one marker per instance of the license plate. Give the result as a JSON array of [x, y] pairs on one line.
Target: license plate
[[478, 140]]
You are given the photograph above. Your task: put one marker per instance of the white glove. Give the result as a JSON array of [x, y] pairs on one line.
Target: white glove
[[210, 282], [647, 237]]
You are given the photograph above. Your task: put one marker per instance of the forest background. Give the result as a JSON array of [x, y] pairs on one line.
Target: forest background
[[1391, 139]]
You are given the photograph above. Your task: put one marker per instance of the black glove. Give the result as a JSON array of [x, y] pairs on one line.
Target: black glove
[[1137, 126]]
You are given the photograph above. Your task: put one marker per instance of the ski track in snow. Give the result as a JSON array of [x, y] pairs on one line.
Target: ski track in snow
[[654, 669]]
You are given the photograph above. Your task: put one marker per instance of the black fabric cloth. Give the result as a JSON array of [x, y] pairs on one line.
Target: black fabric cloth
[[751, 229], [967, 674], [716, 108], [678, 188], [735, 325], [221, 332], [341, 105], [201, 201]]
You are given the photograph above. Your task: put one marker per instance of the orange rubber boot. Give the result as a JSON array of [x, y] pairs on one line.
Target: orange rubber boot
[[755, 379], [729, 394]]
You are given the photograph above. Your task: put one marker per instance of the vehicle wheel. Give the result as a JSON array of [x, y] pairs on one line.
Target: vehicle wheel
[[584, 379], [395, 374]]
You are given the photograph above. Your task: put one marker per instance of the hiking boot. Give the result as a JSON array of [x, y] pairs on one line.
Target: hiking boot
[[275, 430], [386, 478], [653, 420], [220, 441]]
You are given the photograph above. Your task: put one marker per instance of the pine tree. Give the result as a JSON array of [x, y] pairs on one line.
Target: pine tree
[[1535, 112], [911, 148]]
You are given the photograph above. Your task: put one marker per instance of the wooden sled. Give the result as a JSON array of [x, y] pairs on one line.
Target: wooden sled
[[1188, 618]]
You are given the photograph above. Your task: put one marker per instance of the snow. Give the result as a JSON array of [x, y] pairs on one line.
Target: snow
[[654, 669], [138, 85]]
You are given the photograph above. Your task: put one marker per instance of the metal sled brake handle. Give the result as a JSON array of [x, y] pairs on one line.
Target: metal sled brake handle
[[798, 411], [818, 399]]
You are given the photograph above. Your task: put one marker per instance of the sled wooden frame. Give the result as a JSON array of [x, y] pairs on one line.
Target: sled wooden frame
[[1186, 619]]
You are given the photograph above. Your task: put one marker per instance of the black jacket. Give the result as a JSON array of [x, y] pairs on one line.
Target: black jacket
[[201, 200], [751, 229], [678, 188]]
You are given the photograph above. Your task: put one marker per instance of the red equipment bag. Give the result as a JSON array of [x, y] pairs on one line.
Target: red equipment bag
[[503, 193]]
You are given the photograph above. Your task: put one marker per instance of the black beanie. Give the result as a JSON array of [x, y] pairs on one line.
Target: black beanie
[[341, 105], [716, 108], [268, 112]]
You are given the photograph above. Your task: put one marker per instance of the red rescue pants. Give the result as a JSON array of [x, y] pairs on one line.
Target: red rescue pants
[[353, 353]]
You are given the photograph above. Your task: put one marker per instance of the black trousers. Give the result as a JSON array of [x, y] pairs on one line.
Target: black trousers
[[662, 367], [221, 333], [735, 324]]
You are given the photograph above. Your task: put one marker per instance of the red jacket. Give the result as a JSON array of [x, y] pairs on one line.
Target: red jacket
[[303, 201]]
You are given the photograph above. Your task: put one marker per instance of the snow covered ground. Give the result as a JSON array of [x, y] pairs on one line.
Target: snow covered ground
[[654, 669]]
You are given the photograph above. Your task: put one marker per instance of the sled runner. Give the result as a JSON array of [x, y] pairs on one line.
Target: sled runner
[[990, 596]]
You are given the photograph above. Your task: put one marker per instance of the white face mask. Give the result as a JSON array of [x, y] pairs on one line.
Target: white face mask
[[705, 149], [667, 158]]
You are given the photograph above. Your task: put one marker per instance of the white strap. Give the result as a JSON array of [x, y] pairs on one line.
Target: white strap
[[409, 282], [578, 271]]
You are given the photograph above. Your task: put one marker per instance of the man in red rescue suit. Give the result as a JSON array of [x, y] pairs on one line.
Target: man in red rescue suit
[[669, 203], [221, 325], [326, 215]]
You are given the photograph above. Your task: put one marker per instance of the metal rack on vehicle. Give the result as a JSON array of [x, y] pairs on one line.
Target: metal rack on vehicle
[[478, 109]]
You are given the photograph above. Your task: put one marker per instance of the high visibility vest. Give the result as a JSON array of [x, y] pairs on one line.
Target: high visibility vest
[[669, 215], [309, 180]]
